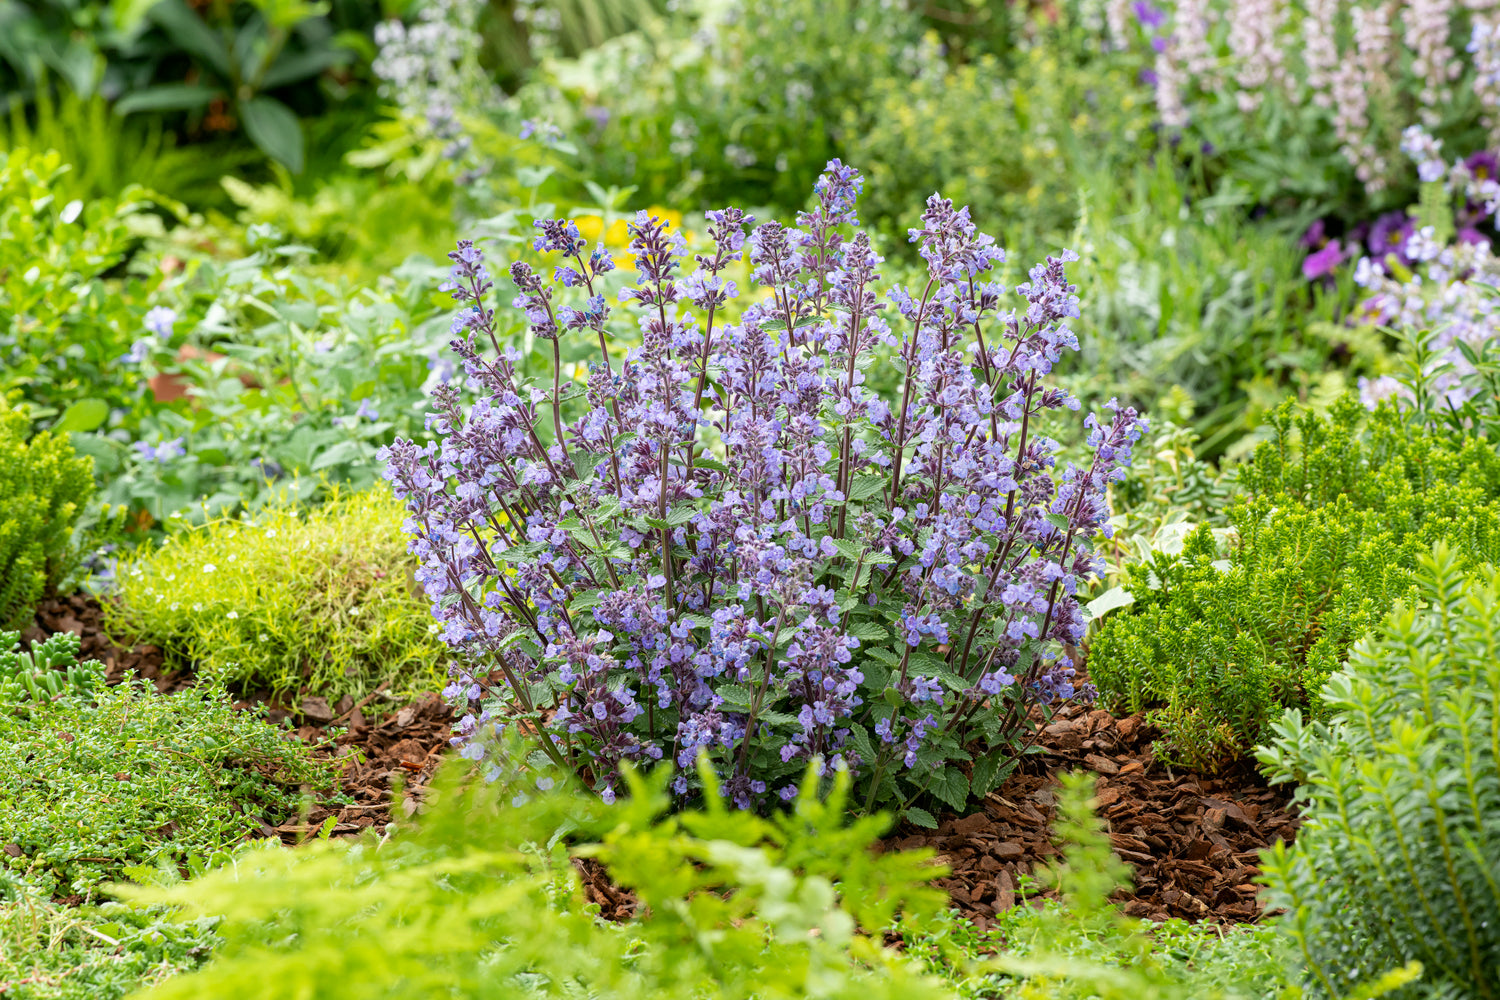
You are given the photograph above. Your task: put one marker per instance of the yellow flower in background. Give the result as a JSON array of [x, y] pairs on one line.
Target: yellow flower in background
[[590, 227]]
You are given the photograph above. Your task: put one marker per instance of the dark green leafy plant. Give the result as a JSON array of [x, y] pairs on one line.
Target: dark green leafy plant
[[1335, 512], [243, 56], [44, 488], [90, 787], [480, 901], [1399, 848]]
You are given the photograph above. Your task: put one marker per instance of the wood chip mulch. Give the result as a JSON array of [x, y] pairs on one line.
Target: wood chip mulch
[[1192, 840]]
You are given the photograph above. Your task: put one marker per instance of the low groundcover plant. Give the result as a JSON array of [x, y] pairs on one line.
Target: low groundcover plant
[[727, 543]]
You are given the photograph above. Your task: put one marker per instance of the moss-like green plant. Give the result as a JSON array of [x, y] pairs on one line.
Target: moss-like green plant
[[93, 785], [291, 600], [1334, 513], [1398, 857], [44, 487]]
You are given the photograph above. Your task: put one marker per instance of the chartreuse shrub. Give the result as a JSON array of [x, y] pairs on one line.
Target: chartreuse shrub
[[44, 488], [1399, 849], [728, 541], [97, 780], [480, 901], [291, 600], [1334, 513]]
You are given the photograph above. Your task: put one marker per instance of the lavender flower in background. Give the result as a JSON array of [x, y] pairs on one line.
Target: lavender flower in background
[[161, 453], [726, 544], [160, 321], [1425, 151], [1437, 289], [1484, 46]]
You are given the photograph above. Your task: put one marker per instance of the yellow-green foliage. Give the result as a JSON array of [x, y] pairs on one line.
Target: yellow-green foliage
[[474, 905], [43, 489], [319, 601]]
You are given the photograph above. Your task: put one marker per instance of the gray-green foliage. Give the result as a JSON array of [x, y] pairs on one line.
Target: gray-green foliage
[[1333, 514], [54, 951], [1398, 857], [480, 901]]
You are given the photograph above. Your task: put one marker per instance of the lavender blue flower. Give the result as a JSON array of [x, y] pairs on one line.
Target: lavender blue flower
[[726, 544]]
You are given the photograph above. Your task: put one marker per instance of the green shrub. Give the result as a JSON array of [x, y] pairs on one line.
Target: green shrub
[[1334, 513], [1005, 141], [1399, 849], [90, 787], [320, 601], [480, 901], [44, 488], [52, 951], [66, 314]]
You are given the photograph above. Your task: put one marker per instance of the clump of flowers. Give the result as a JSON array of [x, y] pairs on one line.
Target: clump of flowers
[[1360, 67], [1437, 274], [727, 545]]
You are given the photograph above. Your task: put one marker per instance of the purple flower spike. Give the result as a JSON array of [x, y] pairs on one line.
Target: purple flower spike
[[724, 544]]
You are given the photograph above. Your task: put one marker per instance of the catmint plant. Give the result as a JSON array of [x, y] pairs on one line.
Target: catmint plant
[[723, 543]]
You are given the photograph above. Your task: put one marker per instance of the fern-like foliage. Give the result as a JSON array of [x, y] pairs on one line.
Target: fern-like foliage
[[480, 902], [1398, 857], [44, 487], [1333, 514]]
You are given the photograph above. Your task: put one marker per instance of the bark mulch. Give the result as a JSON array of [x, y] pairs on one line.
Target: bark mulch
[[1192, 840]]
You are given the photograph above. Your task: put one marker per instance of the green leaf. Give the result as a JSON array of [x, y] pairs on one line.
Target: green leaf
[[1058, 521], [950, 785], [188, 32], [344, 451], [865, 487], [736, 695], [274, 130], [290, 69], [919, 817], [868, 632], [168, 97], [84, 415], [1114, 597], [128, 14], [988, 774]]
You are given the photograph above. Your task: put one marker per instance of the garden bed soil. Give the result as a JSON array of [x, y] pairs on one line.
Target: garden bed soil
[[1191, 840]]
